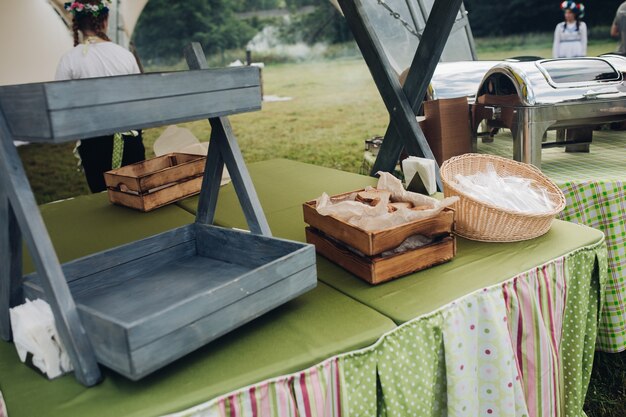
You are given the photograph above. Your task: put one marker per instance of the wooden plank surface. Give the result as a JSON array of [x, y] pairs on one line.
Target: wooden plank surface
[[153, 356], [142, 87], [86, 122], [22, 105], [246, 248], [122, 255], [70, 110], [183, 167]]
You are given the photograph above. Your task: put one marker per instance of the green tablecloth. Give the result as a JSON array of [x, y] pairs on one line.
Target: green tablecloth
[[290, 338], [526, 292], [317, 325], [477, 264], [503, 329]]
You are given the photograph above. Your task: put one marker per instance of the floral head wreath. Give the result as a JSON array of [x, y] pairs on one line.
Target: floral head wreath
[[577, 8], [77, 8]]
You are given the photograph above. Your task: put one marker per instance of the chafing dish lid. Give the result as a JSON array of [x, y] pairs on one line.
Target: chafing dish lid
[[568, 72]]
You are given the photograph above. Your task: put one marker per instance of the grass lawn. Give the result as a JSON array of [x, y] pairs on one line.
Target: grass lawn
[[335, 107]]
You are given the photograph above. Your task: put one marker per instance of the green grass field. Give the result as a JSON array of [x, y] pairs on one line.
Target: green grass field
[[335, 107]]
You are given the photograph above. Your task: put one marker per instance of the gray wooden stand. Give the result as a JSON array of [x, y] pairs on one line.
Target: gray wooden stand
[[218, 278], [403, 103], [223, 149]]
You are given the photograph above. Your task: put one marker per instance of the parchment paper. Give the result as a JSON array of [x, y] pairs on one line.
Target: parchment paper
[[377, 218]]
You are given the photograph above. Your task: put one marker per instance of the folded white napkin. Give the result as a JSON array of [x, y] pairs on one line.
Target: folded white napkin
[[423, 167], [34, 331]]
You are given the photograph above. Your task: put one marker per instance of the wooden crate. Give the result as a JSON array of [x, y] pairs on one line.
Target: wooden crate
[[145, 304], [378, 269], [375, 242], [156, 182]]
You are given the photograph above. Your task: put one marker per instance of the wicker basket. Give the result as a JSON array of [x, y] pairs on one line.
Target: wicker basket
[[485, 222]]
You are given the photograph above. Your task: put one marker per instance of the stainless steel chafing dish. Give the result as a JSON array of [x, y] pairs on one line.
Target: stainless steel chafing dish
[[531, 98], [458, 79]]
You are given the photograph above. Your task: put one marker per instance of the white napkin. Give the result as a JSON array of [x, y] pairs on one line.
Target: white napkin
[[423, 167], [181, 139], [34, 331]]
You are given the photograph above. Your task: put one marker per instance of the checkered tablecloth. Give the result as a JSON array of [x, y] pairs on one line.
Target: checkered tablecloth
[[595, 188], [602, 205]]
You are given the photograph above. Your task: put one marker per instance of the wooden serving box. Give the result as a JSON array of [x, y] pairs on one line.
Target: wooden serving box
[[375, 242], [146, 304], [360, 251], [378, 269], [156, 182]]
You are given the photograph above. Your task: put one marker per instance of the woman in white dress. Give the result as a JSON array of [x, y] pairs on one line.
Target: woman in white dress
[[570, 36], [94, 55]]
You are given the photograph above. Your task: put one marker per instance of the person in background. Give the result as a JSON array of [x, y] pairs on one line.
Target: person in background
[[570, 36], [618, 28], [94, 55]]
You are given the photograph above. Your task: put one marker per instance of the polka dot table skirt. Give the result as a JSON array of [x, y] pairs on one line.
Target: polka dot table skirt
[[523, 348], [602, 205]]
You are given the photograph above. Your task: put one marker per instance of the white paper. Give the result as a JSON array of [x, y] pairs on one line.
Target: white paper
[[34, 331], [377, 217], [423, 167], [181, 139], [508, 192]]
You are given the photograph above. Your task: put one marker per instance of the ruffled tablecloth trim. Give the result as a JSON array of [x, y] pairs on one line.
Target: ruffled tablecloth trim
[[520, 348]]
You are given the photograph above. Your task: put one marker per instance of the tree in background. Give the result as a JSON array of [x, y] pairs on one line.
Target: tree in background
[[324, 24], [488, 17], [166, 27]]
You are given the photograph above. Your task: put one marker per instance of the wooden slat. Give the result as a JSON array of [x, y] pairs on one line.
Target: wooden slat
[[143, 87], [214, 168], [213, 171], [10, 264], [159, 198], [244, 248], [340, 255], [121, 255], [24, 108], [431, 46], [86, 122], [47, 264], [182, 169], [377, 269], [163, 351], [233, 159], [67, 110], [223, 138], [404, 129]]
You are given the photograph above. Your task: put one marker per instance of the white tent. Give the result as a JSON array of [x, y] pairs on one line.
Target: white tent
[[398, 24], [34, 35]]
